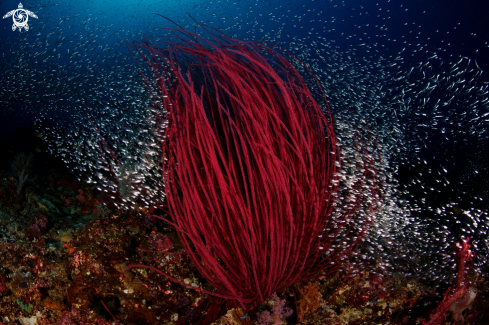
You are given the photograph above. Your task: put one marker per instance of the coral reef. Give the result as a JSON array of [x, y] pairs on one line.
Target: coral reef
[[309, 300], [59, 265], [63, 252], [278, 312]]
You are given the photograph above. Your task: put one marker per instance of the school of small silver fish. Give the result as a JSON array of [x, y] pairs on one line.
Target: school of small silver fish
[[426, 107]]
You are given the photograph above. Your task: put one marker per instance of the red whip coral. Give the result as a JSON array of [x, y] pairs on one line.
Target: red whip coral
[[251, 166], [462, 297]]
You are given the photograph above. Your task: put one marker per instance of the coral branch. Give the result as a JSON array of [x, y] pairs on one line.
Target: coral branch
[[462, 297], [21, 167]]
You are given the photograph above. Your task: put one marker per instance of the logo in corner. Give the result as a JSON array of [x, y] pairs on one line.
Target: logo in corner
[[20, 16]]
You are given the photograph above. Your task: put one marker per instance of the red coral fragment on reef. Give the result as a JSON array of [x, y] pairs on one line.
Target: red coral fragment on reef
[[161, 242], [462, 297]]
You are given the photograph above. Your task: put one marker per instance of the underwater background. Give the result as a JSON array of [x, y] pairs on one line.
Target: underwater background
[[412, 72], [81, 34]]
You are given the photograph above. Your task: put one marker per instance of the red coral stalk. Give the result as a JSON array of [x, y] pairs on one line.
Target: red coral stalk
[[460, 298]]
